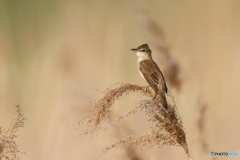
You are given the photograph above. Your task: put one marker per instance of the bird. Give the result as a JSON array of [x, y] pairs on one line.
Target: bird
[[151, 73]]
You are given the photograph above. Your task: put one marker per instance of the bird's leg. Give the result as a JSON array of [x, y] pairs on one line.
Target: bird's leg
[[146, 88]]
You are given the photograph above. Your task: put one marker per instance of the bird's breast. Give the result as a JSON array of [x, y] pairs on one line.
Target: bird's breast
[[139, 70]]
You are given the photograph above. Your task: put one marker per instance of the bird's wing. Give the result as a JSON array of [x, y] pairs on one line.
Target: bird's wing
[[152, 74], [162, 78]]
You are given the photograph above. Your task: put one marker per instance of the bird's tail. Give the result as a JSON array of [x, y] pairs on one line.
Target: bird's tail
[[162, 99]]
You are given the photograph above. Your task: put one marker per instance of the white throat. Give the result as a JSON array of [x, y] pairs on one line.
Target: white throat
[[143, 56]]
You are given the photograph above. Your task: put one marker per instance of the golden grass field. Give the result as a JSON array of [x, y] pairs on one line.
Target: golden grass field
[[58, 57]]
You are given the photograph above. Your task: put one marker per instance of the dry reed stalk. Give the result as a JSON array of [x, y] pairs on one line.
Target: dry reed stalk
[[167, 129], [201, 125]]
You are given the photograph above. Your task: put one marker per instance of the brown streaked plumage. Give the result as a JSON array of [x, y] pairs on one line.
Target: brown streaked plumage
[[150, 71]]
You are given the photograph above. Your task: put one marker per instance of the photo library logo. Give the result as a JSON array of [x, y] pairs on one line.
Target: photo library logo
[[224, 153]]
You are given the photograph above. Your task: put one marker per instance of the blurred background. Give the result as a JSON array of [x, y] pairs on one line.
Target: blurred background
[[57, 57]]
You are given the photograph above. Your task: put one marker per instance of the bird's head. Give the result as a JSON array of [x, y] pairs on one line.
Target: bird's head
[[142, 50]]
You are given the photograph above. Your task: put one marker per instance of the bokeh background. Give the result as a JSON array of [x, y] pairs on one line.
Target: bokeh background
[[58, 56]]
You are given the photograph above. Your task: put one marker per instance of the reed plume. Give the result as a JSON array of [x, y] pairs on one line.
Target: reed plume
[[8, 146], [167, 129]]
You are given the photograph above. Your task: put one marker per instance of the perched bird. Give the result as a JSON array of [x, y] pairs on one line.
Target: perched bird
[[150, 72]]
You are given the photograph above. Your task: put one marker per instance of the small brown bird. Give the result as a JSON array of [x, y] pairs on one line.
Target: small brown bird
[[150, 72]]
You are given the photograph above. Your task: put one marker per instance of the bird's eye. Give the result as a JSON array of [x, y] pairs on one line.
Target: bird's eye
[[143, 50]]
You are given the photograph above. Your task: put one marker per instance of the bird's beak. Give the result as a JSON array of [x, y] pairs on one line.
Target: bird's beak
[[134, 49]]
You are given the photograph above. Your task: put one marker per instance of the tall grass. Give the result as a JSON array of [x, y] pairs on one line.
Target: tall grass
[[167, 128], [8, 147]]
